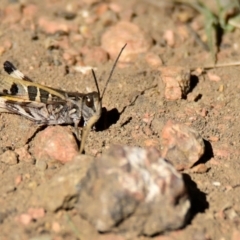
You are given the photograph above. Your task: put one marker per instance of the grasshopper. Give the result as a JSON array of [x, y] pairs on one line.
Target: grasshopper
[[48, 106]]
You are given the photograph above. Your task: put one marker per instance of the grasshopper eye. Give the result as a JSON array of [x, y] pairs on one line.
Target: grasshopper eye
[[89, 101]]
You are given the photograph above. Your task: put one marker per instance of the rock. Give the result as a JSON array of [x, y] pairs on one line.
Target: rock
[[235, 235], [24, 155], [153, 60], [200, 168], [9, 157], [133, 191], [152, 142], [70, 56], [177, 82], [94, 55], [41, 165], [182, 145], [24, 218], [193, 97], [55, 143], [8, 44], [213, 77], [125, 32], [30, 11], [56, 227], [12, 14], [61, 191], [169, 38], [36, 213], [33, 214], [108, 18], [51, 27], [2, 50]]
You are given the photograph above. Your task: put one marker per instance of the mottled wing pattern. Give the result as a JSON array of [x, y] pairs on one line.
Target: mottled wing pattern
[[43, 105], [26, 108]]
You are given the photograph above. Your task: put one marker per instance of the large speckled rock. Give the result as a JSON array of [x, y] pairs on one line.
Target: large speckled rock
[[61, 191], [133, 191]]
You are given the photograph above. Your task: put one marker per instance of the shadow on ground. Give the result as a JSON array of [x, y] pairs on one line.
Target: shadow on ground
[[107, 119], [198, 198]]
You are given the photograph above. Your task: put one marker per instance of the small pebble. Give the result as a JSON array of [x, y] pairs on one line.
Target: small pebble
[[200, 168], [153, 60], [41, 165], [24, 218], [18, 179], [213, 77], [182, 145], [169, 38], [9, 157], [176, 80], [94, 56], [24, 155], [213, 138], [30, 11], [51, 27], [2, 50], [12, 14], [235, 235], [56, 227], [36, 213], [217, 184]]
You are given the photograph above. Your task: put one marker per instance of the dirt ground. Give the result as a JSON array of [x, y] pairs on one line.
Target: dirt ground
[[49, 55]]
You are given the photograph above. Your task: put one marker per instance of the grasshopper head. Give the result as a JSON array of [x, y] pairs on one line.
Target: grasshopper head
[[91, 108]]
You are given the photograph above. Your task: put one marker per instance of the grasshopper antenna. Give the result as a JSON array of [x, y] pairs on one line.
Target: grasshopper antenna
[[111, 73], [96, 83]]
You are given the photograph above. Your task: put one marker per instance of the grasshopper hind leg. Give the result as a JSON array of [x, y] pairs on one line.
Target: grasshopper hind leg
[[81, 135], [84, 135], [76, 131], [86, 130]]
